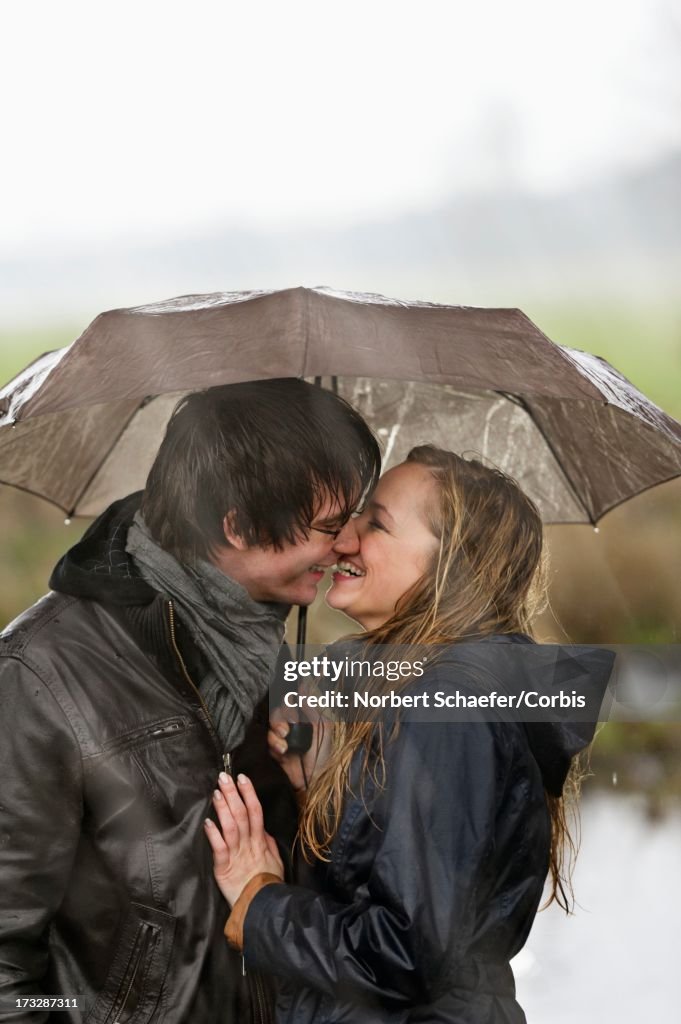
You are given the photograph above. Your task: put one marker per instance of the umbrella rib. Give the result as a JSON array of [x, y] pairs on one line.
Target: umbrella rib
[[523, 404], [644, 490], [35, 494], [306, 314], [111, 447]]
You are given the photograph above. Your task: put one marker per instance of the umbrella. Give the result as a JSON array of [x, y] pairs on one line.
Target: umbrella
[[80, 426]]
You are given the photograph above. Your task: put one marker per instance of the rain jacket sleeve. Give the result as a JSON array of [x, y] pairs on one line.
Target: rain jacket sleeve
[[40, 814], [402, 934]]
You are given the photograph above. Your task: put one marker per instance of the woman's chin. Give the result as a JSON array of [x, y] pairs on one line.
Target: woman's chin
[[340, 603], [334, 599]]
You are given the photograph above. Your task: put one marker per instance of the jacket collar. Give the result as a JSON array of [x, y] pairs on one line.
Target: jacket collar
[[98, 568]]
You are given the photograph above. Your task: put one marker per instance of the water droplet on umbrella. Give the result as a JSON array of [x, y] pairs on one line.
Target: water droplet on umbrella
[[67, 521]]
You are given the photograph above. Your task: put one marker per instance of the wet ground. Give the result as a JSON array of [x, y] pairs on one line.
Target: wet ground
[[616, 961]]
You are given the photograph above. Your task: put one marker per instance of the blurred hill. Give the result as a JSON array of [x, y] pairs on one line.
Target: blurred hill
[[612, 238]]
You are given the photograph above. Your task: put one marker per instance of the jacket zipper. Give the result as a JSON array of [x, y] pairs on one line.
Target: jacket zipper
[[226, 756], [260, 1013], [139, 950], [227, 763]]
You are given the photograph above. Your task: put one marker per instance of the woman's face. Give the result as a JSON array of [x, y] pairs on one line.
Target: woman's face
[[393, 550]]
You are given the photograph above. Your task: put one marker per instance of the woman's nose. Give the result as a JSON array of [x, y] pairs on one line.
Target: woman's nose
[[347, 541]]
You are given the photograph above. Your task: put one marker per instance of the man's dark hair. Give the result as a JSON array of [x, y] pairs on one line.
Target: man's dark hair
[[267, 451]]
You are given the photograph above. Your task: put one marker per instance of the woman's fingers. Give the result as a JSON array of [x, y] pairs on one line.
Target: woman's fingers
[[280, 718], [235, 805], [276, 741], [228, 826], [221, 854], [277, 733], [245, 808], [253, 808]]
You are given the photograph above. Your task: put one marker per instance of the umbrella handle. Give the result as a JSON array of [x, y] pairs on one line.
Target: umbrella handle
[[301, 631], [299, 737]]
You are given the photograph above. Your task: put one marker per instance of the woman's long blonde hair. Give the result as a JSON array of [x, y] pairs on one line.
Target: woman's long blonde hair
[[488, 576]]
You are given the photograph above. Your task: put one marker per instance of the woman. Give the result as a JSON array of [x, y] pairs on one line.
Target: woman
[[428, 844]]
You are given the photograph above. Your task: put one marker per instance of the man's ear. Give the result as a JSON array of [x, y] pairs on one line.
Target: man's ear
[[234, 539]]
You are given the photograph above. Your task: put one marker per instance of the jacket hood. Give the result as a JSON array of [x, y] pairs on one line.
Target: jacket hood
[[555, 743], [515, 664], [98, 567]]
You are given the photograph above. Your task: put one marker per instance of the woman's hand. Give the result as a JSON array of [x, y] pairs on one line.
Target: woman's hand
[[241, 846], [300, 770]]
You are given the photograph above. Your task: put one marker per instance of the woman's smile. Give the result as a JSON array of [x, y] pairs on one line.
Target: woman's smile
[[346, 570]]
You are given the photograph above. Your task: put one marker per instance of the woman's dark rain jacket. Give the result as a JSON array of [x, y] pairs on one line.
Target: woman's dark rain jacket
[[434, 880]]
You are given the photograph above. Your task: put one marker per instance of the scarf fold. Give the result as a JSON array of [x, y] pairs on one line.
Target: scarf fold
[[240, 638]]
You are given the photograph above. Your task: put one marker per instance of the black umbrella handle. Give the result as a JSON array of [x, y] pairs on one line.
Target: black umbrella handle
[[299, 737]]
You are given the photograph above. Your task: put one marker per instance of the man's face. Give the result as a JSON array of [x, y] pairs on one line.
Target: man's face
[[291, 574]]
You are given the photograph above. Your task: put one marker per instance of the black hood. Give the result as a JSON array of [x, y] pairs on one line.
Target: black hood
[[98, 567], [555, 743], [546, 668]]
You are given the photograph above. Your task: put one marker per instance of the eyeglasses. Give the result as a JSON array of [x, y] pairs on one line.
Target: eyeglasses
[[329, 531], [334, 531]]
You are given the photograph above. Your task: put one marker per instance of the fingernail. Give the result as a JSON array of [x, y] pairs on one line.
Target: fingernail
[[208, 823], [281, 748], [224, 777], [241, 779], [217, 795]]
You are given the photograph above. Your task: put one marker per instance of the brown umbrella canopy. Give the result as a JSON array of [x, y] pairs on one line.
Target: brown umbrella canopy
[[81, 426]]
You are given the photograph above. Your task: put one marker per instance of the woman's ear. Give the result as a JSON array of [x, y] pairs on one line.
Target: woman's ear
[[234, 539]]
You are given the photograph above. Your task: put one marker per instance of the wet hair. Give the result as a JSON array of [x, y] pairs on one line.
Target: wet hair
[[268, 453], [487, 576]]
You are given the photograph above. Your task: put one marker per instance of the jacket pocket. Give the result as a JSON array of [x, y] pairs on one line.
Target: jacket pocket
[[135, 980], [148, 733]]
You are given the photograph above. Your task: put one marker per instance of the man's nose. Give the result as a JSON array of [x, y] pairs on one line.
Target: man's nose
[[347, 541]]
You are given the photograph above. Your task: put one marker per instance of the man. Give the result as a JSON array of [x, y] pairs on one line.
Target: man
[[126, 690]]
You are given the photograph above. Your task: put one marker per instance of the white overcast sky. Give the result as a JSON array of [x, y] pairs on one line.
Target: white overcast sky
[[155, 118]]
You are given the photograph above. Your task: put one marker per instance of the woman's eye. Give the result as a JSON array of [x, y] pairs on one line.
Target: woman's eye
[[375, 525]]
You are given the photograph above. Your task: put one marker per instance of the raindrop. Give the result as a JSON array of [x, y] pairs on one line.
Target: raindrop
[[614, 778], [67, 521], [596, 530]]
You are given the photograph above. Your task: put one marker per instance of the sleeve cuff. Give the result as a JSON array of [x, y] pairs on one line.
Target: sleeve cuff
[[234, 929]]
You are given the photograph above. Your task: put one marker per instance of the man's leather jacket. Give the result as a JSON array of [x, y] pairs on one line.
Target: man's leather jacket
[[108, 760]]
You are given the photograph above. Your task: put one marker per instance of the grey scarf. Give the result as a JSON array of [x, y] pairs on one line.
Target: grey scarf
[[238, 636]]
